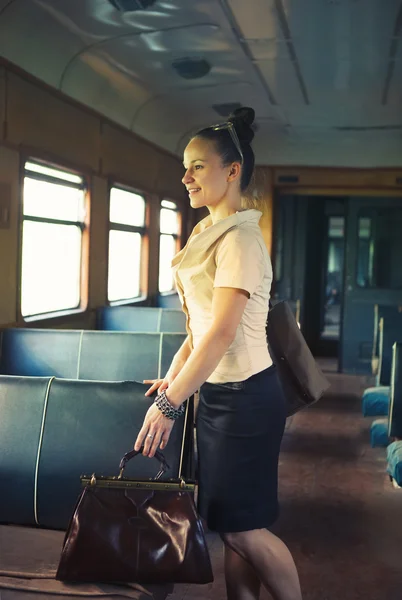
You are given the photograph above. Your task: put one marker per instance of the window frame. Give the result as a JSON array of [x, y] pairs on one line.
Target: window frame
[[177, 236], [84, 226], [142, 230]]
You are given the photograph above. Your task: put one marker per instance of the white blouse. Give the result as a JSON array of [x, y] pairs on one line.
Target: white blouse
[[229, 253]]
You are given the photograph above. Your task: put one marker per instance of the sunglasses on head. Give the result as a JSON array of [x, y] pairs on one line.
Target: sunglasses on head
[[230, 127]]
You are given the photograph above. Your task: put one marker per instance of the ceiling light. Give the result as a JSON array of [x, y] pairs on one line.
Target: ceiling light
[[191, 68]]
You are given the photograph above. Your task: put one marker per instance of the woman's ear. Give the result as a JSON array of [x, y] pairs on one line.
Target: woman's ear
[[234, 172]]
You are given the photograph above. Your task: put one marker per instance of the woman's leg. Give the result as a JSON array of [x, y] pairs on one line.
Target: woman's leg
[[242, 582], [271, 560]]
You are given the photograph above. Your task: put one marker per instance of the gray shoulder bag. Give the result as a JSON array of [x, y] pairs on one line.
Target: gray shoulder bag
[[303, 382]]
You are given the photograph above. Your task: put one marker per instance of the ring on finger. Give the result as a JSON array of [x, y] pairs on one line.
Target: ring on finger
[[150, 436]]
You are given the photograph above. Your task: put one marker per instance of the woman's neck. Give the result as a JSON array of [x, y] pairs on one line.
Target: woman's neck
[[223, 211]]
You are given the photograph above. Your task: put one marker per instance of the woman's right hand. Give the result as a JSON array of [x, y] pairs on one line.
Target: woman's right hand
[[163, 384]]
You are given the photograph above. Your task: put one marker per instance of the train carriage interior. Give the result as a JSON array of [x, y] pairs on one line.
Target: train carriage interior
[[98, 100]]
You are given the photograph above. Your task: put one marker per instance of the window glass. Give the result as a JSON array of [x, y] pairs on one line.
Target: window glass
[[50, 172], [167, 251], [379, 248], [51, 248], [169, 204], [169, 221], [127, 229], [124, 265], [127, 208], [51, 268], [334, 278], [52, 201]]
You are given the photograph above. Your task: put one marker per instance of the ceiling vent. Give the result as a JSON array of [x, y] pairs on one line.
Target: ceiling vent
[[132, 5], [224, 110], [191, 68]]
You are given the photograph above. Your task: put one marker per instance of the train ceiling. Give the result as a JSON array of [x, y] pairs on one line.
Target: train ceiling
[[324, 76]]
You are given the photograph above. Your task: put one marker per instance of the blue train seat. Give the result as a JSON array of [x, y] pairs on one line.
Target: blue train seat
[[118, 356], [22, 401], [394, 460], [97, 355], [173, 321], [168, 301], [128, 318], [54, 430], [390, 331], [141, 319], [40, 352], [375, 401], [379, 433], [395, 408]]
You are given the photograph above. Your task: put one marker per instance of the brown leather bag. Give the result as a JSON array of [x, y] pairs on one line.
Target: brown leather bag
[[302, 380], [129, 530]]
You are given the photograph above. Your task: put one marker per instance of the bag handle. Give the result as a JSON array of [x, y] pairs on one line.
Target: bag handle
[[158, 455]]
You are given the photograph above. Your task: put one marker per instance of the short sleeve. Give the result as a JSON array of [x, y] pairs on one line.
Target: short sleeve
[[240, 262]]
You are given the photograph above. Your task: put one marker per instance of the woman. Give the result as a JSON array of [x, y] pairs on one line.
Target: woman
[[223, 276]]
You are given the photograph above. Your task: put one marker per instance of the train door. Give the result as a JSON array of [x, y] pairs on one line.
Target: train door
[[289, 237], [373, 273], [308, 265], [324, 273]]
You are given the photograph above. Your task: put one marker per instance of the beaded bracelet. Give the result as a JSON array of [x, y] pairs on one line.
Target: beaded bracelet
[[167, 409]]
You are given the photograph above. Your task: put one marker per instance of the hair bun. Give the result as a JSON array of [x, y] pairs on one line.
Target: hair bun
[[245, 113], [242, 118]]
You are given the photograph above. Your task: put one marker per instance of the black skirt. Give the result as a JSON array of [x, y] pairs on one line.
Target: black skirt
[[239, 431]]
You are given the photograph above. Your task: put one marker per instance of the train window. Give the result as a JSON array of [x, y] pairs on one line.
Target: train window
[[168, 244], [333, 278], [379, 248], [52, 233], [127, 228]]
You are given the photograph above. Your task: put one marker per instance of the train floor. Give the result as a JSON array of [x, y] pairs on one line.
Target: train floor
[[340, 515]]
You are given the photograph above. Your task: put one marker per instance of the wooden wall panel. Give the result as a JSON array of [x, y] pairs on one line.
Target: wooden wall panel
[[2, 101], [98, 249], [128, 158], [9, 237], [38, 119], [168, 180], [364, 178]]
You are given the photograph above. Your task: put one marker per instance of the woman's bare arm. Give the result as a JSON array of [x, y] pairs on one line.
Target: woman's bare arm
[[227, 309]]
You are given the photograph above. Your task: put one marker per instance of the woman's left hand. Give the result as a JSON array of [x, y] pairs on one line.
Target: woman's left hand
[[154, 433]]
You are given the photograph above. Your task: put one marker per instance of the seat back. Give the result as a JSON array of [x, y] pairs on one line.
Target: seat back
[[40, 352], [141, 319], [94, 355], [395, 407], [120, 356], [168, 301], [129, 318], [90, 425], [390, 331], [22, 402], [170, 344], [52, 431], [173, 321]]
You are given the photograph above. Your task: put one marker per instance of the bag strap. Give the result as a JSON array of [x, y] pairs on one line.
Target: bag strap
[[158, 455], [187, 454], [187, 451]]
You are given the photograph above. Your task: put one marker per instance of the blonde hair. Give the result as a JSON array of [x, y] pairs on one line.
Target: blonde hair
[[253, 197]]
